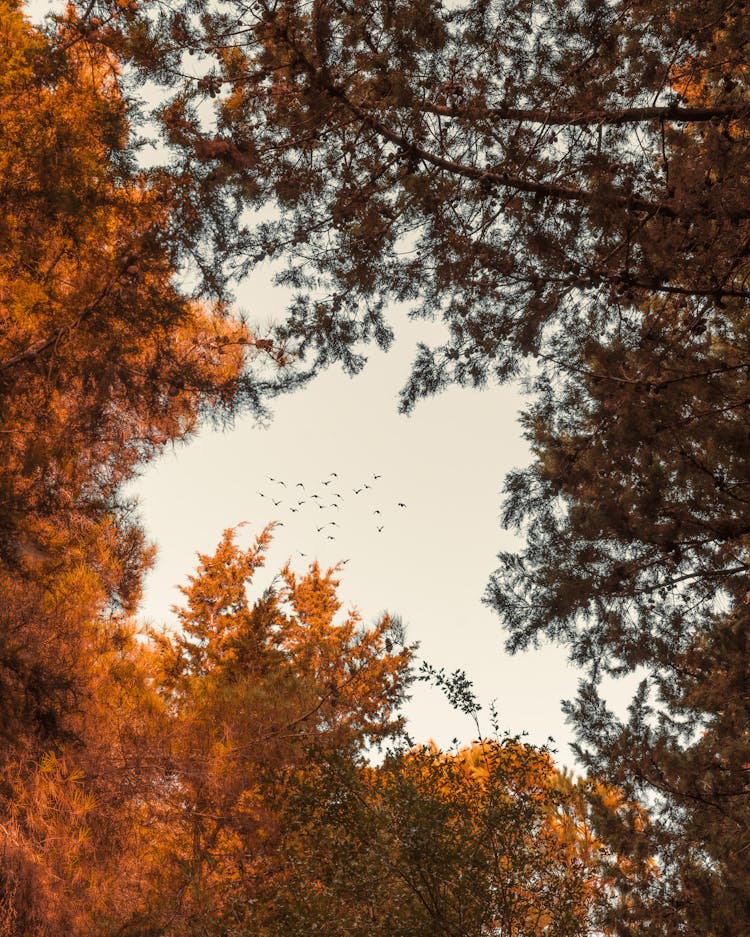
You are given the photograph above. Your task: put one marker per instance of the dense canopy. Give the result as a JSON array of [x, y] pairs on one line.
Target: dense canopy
[[564, 183]]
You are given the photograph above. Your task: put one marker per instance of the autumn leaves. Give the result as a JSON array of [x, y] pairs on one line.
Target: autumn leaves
[[558, 180]]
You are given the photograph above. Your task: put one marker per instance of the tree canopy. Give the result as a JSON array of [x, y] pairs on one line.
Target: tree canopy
[[487, 840], [561, 181], [512, 166]]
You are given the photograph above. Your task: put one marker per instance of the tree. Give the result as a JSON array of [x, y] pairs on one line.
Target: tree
[[103, 359], [488, 840], [636, 558], [513, 166], [75, 835], [260, 691], [635, 512]]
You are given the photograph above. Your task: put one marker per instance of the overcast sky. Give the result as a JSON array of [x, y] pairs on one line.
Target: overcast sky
[[430, 562]]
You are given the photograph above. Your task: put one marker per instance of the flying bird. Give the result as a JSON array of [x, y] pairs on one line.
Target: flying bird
[[337, 495], [328, 482], [330, 537], [356, 490], [294, 510], [280, 482], [376, 511], [334, 475], [380, 529], [314, 496], [299, 485], [275, 503], [376, 477], [401, 504]]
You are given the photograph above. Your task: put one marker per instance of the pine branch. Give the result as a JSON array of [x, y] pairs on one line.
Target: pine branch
[[592, 118]]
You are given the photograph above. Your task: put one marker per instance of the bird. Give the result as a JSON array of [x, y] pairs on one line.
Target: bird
[[401, 504], [314, 496], [294, 510], [300, 503], [281, 483], [334, 475], [380, 529], [261, 494], [270, 479], [356, 490], [299, 485], [330, 537], [328, 482], [333, 524], [376, 477], [334, 505], [376, 511], [276, 503], [365, 486], [388, 645]]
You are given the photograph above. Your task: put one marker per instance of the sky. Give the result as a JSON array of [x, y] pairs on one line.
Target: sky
[[431, 560]]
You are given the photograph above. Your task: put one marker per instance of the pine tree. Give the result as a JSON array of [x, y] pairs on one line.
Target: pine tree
[[260, 691], [511, 166], [103, 360]]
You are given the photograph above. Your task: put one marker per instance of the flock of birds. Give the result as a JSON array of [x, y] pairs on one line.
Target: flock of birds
[[328, 496]]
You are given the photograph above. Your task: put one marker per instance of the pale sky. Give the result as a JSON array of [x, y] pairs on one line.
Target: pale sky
[[431, 561]]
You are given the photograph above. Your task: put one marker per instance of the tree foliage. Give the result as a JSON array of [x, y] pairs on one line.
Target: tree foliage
[[103, 361], [566, 180], [506, 165], [487, 840], [259, 691]]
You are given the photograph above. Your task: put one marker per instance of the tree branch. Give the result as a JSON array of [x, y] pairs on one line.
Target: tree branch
[[612, 118]]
